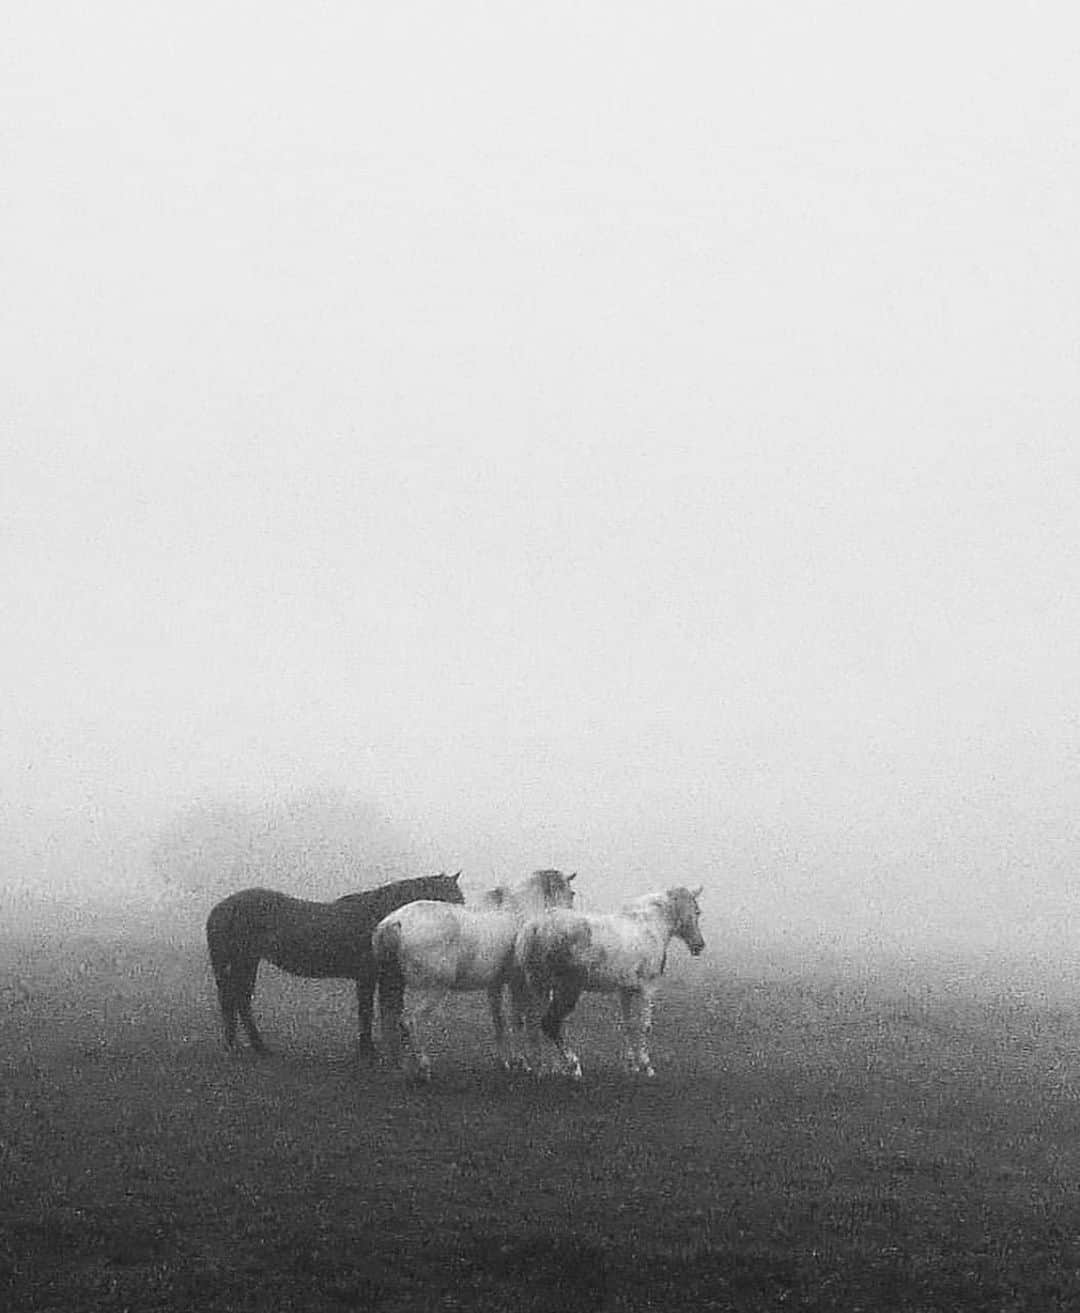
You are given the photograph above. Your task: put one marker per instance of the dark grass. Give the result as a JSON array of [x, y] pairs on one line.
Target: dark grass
[[812, 1141]]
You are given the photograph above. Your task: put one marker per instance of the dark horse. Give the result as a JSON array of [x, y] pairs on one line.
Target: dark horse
[[316, 940]]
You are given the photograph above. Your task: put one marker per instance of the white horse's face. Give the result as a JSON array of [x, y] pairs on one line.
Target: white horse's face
[[687, 917]]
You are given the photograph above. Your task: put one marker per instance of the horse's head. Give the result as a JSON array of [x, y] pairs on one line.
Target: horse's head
[[554, 888], [445, 888], [685, 914]]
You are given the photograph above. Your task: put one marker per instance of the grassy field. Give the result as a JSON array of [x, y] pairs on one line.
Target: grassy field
[[814, 1139]]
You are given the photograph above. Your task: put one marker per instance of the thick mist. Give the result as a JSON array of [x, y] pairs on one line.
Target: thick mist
[[639, 443]]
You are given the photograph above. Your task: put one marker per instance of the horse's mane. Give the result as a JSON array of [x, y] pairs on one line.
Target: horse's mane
[[548, 881], [417, 882], [646, 902]]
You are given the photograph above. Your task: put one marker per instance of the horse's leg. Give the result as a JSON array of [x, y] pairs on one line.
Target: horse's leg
[[243, 985], [502, 1048], [221, 962], [648, 998], [402, 1030], [525, 1023], [637, 1006], [227, 1002], [417, 1063], [627, 998], [365, 1007], [564, 997]]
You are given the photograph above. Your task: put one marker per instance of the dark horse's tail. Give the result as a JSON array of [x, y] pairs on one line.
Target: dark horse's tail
[[219, 940]]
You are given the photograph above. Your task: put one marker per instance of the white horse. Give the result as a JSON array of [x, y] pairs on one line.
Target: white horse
[[440, 948], [562, 955]]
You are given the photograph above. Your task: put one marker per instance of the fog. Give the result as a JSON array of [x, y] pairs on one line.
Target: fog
[[637, 440]]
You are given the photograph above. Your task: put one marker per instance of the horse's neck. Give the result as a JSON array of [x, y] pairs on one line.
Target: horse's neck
[[421, 891], [504, 910], [524, 905], [519, 903], [656, 915], [382, 901]]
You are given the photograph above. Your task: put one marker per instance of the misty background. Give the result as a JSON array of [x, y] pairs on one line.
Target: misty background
[[635, 439]]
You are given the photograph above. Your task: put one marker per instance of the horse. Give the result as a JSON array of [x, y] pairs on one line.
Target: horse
[[311, 939], [559, 956], [440, 949]]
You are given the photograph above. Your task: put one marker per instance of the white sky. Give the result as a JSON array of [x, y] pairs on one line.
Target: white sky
[[642, 438]]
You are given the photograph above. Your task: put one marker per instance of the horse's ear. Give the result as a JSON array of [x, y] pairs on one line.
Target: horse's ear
[[571, 877], [696, 893], [456, 876]]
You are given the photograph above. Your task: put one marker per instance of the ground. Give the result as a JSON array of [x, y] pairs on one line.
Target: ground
[[815, 1138]]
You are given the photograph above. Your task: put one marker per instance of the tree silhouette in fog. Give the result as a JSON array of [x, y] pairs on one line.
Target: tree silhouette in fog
[[314, 844]]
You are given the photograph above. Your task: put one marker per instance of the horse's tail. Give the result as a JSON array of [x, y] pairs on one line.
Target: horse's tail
[[386, 948], [548, 956], [219, 943], [533, 959]]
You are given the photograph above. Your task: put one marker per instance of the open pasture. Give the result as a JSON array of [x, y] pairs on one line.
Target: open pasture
[[813, 1140]]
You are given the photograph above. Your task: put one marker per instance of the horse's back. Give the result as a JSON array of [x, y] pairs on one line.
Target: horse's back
[[224, 916], [446, 946], [249, 909], [602, 952], [305, 938], [252, 901]]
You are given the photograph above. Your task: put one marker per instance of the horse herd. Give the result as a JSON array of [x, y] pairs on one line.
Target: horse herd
[[419, 940]]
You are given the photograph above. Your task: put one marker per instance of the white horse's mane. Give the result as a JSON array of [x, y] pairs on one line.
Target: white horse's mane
[[505, 896], [647, 902]]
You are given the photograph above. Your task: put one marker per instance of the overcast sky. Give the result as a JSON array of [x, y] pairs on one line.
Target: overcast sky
[[639, 438]]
